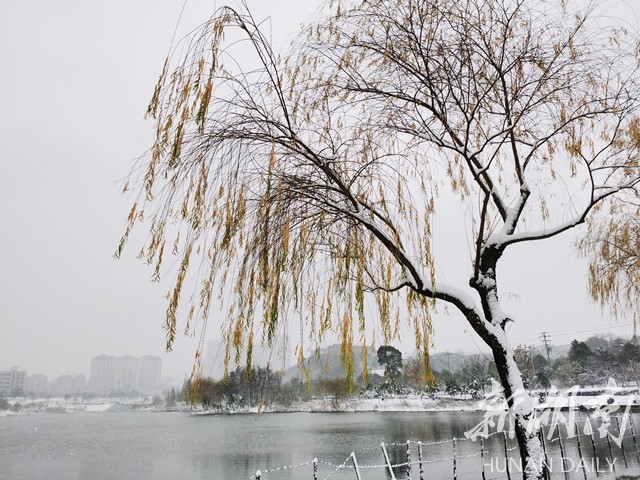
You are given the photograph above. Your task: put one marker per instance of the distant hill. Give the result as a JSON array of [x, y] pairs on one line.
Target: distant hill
[[326, 363], [447, 361], [440, 361], [557, 351]]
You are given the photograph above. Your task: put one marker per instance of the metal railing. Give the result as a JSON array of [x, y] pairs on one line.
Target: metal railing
[[583, 439]]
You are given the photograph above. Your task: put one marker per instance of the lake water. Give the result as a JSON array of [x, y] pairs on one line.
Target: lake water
[[159, 446]]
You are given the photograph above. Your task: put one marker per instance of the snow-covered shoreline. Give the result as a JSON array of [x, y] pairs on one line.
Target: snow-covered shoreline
[[60, 405], [391, 403], [353, 405], [28, 406]]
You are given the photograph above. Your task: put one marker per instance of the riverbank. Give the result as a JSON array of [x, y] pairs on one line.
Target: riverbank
[[34, 406], [408, 403], [622, 399], [354, 405]]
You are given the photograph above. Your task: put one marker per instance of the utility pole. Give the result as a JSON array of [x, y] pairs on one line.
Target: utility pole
[[546, 339]]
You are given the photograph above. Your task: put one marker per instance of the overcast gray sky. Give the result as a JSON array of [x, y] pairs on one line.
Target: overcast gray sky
[[76, 78]]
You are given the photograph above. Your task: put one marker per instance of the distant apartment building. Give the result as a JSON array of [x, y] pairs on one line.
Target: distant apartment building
[[35, 384], [102, 375], [125, 374], [12, 382], [68, 385], [149, 374]]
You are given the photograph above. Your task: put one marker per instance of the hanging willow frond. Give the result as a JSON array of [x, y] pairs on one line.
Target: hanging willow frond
[[306, 183]]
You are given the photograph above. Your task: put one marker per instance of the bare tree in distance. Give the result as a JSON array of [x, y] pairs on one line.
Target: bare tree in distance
[[305, 183]]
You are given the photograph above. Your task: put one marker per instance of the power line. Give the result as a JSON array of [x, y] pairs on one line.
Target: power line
[[562, 333]]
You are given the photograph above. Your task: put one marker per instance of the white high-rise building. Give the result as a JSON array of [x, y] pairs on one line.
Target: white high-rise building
[[12, 382], [102, 376], [125, 374], [68, 385], [36, 384], [149, 374]]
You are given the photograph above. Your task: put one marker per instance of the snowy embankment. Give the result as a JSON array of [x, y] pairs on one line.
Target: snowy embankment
[[386, 404], [569, 399], [441, 403], [411, 404], [31, 406]]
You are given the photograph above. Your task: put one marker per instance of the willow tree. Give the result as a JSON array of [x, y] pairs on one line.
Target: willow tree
[[303, 184], [612, 246]]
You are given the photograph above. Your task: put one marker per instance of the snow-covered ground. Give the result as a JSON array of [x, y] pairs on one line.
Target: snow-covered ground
[[29, 406], [409, 403], [591, 399]]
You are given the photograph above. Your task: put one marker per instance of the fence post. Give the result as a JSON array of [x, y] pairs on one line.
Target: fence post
[[593, 444], [613, 464], [315, 469], [409, 459], [584, 470], [621, 434], [564, 461], [355, 465], [633, 435], [386, 459], [545, 467], [506, 455], [482, 457], [420, 460], [455, 475]]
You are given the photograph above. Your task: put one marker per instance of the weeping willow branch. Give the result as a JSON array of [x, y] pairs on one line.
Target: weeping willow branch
[[306, 181]]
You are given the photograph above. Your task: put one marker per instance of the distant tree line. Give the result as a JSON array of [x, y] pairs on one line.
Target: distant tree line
[[591, 362], [242, 387], [597, 359], [260, 387], [587, 363]]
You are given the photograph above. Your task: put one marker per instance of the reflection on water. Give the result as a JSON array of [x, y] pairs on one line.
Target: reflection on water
[[121, 446]]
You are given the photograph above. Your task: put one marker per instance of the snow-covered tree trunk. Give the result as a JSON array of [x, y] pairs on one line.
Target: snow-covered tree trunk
[[518, 398], [492, 330], [521, 406]]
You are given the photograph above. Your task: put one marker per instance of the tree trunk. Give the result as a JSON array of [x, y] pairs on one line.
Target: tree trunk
[[518, 398], [521, 406], [491, 330]]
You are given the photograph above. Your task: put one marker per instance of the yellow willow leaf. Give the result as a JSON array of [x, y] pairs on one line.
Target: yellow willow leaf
[[152, 109], [156, 273], [132, 213]]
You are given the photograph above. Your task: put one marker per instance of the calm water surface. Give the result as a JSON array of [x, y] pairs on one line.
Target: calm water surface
[[113, 446]]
